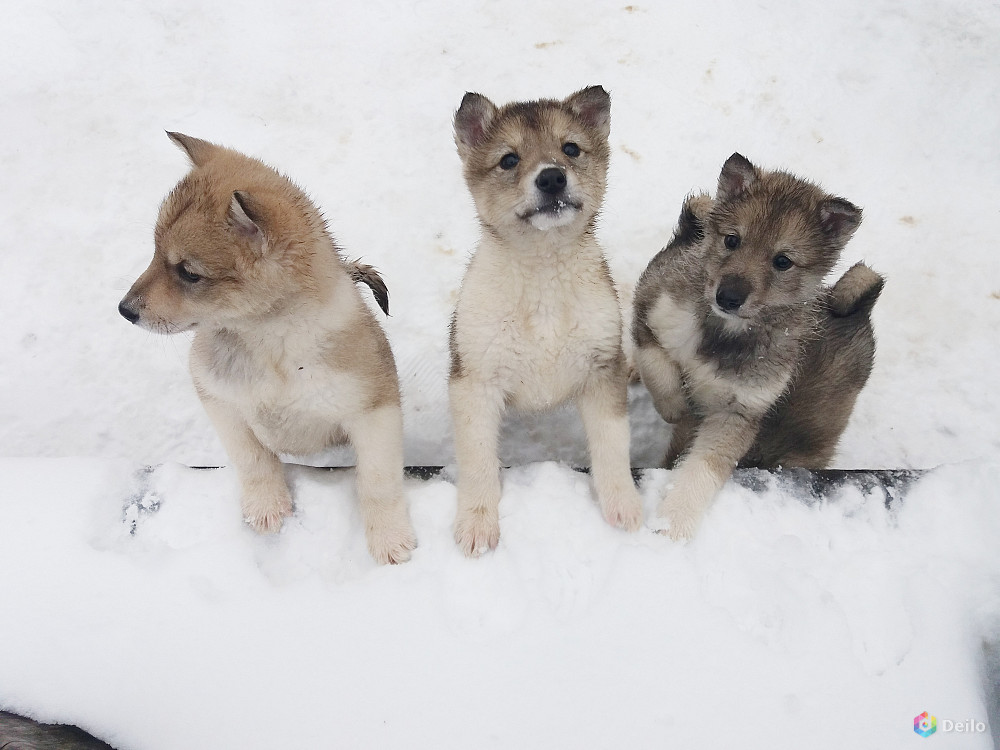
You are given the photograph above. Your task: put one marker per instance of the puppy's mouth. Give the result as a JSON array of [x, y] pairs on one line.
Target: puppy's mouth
[[163, 327], [734, 323], [167, 328], [554, 209], [739, 314], [736, 319]]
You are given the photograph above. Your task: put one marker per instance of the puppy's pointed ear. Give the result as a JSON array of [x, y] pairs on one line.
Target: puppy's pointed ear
[[738, 174], [691, 224], [839, 218], [245, 219], [198, 151], [593, 106], [472, 120]]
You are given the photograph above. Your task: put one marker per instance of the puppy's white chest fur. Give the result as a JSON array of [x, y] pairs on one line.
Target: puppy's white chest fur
[[282, 383], [536, 326]]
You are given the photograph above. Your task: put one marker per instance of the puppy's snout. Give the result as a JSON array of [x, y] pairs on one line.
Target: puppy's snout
[[551, 180], [127, 312], [732, 293]]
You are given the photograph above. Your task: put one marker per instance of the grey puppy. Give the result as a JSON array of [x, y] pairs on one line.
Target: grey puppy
[[739, 342]]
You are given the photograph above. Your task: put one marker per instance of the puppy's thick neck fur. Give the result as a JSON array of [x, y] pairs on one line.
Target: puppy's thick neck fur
[[537, 246]]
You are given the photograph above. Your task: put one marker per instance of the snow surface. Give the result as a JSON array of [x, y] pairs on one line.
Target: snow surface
[[783, 624]]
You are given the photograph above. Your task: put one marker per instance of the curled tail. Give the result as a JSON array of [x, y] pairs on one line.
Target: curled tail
[[857, 291], [368, 275]]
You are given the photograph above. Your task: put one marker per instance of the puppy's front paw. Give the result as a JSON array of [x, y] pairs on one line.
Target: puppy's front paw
[[682, 515], [392, 541], [477, 531], [623, 509], [266, 512]]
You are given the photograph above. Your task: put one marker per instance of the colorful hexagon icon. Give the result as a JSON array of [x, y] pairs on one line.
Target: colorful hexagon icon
[[924, 724]]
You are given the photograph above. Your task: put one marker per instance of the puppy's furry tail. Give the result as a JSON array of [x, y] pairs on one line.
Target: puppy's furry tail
[[368, 275], [857, 291]]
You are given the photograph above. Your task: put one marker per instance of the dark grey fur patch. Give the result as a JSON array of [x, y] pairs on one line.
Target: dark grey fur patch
[[761, 353]]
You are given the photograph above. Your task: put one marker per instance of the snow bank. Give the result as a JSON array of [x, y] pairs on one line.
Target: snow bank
[[138, 606]]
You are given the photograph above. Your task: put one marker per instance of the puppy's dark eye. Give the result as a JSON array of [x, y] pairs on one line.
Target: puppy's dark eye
[[509, 161], [732, 241], [782, 262], [571, 149], [186, 274]]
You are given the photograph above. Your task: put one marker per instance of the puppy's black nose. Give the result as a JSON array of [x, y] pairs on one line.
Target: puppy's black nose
[[127, 312], [732, 293], [551, 180]]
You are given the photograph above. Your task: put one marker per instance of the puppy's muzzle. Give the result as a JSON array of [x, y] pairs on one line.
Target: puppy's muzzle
[[551, 181], [732, 293]]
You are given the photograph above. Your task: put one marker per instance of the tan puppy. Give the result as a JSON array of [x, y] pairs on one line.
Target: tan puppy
[[740, 343], [286, 356], [537, 321]]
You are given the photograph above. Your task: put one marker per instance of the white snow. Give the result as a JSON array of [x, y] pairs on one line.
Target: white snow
[[783, 624]]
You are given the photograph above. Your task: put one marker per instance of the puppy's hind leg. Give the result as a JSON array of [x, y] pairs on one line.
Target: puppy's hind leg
[[603, 406], [720, 442], [377, 437], [266, 500], [476, 409]]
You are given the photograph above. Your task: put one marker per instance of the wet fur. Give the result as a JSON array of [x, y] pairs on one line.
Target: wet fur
[[775, 382], [538, 321], [287, 357]]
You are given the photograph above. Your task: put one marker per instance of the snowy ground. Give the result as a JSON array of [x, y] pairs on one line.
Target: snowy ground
[[783, 625]]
